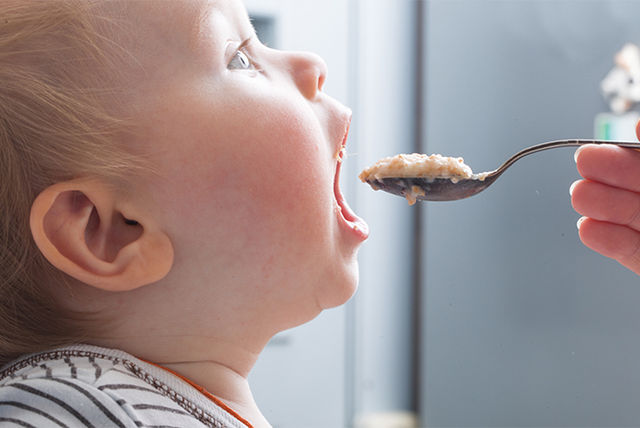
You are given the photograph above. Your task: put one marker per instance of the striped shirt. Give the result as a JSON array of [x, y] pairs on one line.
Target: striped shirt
[[88, 386]]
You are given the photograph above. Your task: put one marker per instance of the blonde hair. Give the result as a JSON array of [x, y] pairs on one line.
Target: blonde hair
[[60, 85]]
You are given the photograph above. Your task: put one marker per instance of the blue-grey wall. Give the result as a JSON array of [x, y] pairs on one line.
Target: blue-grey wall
[[522, 326]]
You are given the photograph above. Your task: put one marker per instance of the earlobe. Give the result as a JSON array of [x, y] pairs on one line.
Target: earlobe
[[92, 234]]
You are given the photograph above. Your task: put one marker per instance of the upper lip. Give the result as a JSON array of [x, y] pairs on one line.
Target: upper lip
[[346, 122], [339, 152]]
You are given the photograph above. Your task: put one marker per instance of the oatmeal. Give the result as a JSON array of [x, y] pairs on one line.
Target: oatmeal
[[412, 196], [418, 165], [430, 167]]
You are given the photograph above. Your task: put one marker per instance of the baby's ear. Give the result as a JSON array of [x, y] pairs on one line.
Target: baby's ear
[[88, 231]]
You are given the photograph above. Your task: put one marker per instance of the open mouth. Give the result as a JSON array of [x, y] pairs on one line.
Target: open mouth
[[355, 223]]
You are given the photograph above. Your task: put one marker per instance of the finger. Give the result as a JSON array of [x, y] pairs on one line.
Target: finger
[[611, 240], [638, 130], [605, 203], [608, 164]]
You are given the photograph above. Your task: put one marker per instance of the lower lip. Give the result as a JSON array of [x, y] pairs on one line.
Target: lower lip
[[348, 218]]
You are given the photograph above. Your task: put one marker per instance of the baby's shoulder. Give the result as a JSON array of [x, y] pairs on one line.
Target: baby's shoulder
[[78, 387]]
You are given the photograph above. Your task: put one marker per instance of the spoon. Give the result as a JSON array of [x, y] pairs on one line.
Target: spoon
[[444, 189]]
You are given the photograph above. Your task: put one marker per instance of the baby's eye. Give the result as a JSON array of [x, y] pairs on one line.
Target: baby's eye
[[240, 61]]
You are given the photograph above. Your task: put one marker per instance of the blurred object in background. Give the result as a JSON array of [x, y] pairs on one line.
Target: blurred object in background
[[621, 86], [611, 126], [387, 420], [355, 362], [621, 89]]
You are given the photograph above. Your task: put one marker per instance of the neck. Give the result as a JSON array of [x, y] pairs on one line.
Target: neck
[[225, 384]]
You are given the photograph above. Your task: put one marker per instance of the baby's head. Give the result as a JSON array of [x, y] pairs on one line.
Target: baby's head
[[165, 176]]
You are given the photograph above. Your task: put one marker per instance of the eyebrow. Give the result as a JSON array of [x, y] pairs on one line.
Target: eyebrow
[[201, 18]]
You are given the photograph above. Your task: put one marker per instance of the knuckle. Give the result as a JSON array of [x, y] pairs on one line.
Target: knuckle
[[634, 217], [632, 256]]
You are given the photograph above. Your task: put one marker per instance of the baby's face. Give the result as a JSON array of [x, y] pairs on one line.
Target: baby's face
[[247, 147]]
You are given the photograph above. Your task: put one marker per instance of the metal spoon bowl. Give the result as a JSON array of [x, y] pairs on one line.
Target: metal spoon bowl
[[445, 189]]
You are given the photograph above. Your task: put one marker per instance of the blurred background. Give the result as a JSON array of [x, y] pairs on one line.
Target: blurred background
[[486, 312]]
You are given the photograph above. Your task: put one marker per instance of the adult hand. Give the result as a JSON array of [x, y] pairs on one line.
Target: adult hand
[[608, 198]]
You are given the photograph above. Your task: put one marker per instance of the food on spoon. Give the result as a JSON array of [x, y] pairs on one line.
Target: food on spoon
[[412, 195], [419, 165]]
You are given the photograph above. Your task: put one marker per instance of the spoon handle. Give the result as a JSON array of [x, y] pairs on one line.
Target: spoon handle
[[560, 143]]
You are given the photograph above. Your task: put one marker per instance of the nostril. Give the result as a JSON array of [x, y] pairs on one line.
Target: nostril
[[321, 79], [322, 71]]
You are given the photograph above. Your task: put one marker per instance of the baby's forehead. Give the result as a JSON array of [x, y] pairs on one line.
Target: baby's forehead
[[176, 29], [157, 24], [155, 35]]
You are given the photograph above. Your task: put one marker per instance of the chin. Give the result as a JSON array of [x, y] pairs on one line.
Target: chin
[[341, 288]]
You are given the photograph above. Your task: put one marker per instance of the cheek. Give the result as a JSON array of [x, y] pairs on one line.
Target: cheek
[[288, 170], [287, 177], [261, 180], [284, 157]]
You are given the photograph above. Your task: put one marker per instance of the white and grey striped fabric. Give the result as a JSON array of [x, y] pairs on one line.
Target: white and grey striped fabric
[[88, 386]]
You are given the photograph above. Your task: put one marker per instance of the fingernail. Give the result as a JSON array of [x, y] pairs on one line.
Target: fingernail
[[580, 221], [575, 155], [573, 186]]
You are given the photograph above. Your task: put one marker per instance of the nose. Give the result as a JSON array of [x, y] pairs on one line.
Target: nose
[[309, 73]]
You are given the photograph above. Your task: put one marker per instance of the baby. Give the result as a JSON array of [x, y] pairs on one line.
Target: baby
[[169, 201], [609, 200]]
